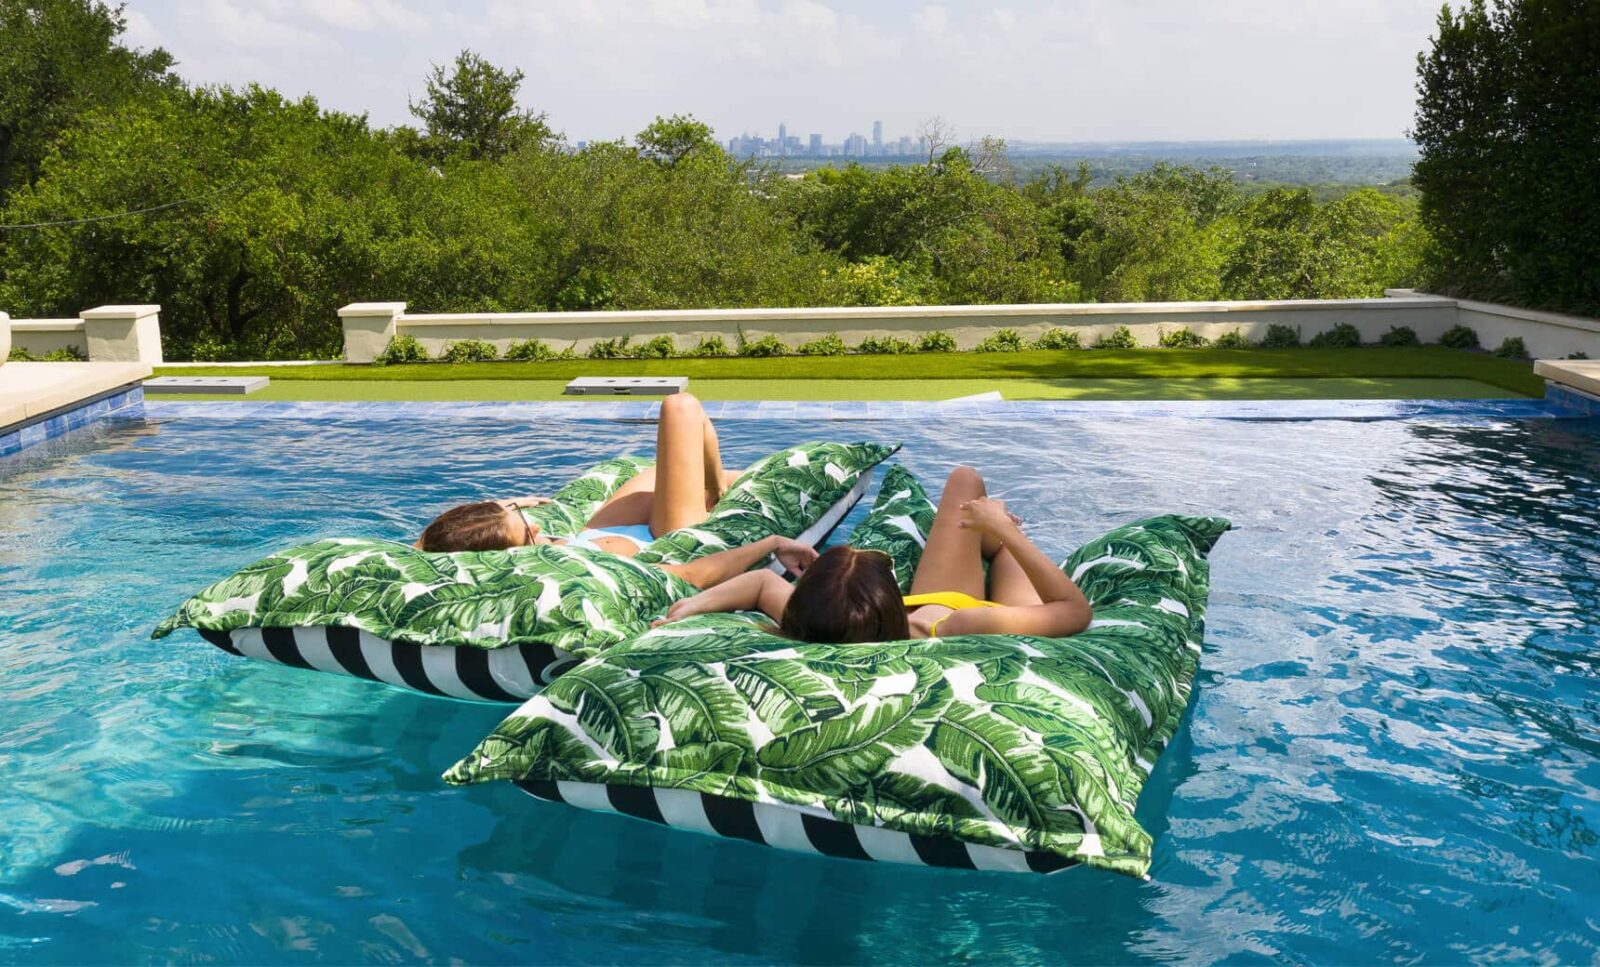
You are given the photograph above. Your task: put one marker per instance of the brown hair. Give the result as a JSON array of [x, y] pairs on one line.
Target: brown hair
[[846, 596], [469, 527]]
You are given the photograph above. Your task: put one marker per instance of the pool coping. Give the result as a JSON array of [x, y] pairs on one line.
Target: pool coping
[[1559, 403]]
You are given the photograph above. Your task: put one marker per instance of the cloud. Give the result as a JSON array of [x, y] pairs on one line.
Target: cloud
[[1027, 69]]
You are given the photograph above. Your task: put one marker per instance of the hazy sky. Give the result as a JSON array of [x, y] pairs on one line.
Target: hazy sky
[[1072, 70]]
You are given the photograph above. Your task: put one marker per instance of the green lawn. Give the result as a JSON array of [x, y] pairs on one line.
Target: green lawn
[[1204, 388], [1086, 369]]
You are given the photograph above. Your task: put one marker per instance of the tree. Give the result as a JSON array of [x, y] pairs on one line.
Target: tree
[[288, 215], [1159, 236], [59, 59], [1289, 247], [670, 140], [471, 111], [1508, 123]]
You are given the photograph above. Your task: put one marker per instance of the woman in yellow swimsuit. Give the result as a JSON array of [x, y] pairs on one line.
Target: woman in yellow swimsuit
[[848, 595]]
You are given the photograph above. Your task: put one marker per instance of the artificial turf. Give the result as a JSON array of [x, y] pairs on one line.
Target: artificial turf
[[1204, 388], [994, 369]]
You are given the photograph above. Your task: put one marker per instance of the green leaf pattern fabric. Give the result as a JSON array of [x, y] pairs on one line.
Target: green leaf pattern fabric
[[571, 507], [784, 493], [1015, 742], [898, 524], [576, 599]]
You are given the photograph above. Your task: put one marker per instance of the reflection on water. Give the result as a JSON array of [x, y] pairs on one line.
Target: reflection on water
[[1391, 753]]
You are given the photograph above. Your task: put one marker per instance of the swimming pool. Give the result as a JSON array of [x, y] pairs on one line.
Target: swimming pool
[[1392, 752]]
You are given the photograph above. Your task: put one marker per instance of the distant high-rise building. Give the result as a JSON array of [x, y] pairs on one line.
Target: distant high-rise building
[[855, 146], [783, 138], [816, 145], [877, 137]]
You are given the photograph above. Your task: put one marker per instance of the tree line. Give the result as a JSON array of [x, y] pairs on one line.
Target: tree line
[[272, 212]]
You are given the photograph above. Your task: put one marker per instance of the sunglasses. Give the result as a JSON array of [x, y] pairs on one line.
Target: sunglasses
[[528, 533]]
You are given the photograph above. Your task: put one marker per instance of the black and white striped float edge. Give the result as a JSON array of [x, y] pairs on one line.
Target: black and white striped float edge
[[790, 827], [511, 674]]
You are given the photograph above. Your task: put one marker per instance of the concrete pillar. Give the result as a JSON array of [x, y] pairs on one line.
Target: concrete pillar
[[123, 334], [5, 337], [368, 327]]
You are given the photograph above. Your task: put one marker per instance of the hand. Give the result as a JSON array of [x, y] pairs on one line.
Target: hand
[[987, 515], [685, 608], [794, 555]]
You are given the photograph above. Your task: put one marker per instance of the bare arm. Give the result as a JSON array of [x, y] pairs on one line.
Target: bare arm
[[714, 569], [753, 591], [1064, 611]]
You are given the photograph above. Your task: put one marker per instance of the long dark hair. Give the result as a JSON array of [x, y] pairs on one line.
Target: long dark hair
[[846, 596], [479, 526]]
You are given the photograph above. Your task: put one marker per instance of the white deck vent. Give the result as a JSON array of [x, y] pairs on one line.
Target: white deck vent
[[220, 385], [627, 385]]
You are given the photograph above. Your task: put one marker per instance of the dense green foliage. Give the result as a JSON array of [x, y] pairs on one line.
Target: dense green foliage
[[1508, 120], [275, 212]]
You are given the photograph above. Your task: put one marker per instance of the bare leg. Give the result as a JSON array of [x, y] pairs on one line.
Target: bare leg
[[715, 482], [1009, 584], [953, 557], [631, 503], [683, 454]]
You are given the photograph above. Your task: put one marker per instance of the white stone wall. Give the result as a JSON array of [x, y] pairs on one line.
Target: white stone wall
[[368, 326], [104, 334]]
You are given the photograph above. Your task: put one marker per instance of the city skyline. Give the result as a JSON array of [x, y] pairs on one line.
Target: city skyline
[[813, 144]]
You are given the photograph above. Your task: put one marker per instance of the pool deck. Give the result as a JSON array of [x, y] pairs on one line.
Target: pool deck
[[39, 401]]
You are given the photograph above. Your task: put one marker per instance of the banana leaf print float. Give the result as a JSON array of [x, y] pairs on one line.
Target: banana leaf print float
[[984, 752], [500, 625]]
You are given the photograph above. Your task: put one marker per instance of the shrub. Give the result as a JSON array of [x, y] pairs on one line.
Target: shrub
[[829, 345], [470, 351], [401, 349], [1058, 338], [1577, 355], [937, 341], [661, 347], [710, 346], [886, 346], [1234, 339], [1182, 338], [1399, 336], [1459, 337], [1120, 338], [1341, 336], [1001, 341], [530, 351], [1281, 337], [66, 354], [20, 355], [610, 349], [1512, 348], [765, 347]]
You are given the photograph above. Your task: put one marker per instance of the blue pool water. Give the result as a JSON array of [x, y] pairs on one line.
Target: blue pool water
[[1393, 754]]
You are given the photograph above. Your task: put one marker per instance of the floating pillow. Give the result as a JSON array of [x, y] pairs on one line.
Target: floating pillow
[[499, 625], [801, 492], [991, 752], [389, 612], [898, 523]]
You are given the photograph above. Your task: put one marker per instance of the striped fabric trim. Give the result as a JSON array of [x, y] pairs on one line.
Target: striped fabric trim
[[789, 827], [511, 674]]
